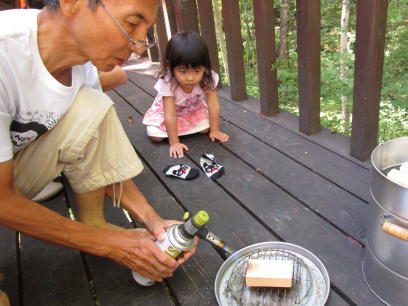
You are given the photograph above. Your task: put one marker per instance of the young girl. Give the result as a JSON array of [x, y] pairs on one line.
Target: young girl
[[185, 83]]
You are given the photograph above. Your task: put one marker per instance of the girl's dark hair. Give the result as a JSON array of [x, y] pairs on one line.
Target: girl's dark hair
[[187, 49]]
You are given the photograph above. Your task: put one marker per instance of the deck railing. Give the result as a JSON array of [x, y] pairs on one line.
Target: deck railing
[[197, 15]]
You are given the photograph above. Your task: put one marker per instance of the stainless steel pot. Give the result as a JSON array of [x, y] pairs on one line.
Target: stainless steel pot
[[385, 267], [311, 283]]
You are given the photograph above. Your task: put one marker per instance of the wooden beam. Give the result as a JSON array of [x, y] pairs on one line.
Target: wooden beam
[[308, 48], [171, 16], [207, 26], [20, 4], [186, 15], [266, 55], [161, 34], [232, 29], [371, 28], [153, 52]]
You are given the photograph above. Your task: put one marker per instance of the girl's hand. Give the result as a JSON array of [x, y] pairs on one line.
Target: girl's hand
[[177, 149], [218, 135]]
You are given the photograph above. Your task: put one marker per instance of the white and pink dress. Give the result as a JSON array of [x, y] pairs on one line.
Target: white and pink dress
[[191, 109]]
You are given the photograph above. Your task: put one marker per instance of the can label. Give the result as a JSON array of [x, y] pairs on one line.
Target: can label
[[169, 248]]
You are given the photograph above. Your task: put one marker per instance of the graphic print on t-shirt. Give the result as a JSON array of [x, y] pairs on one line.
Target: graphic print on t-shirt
[[25, 130]]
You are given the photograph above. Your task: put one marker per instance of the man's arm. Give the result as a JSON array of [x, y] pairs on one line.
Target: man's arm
[[134, 249]]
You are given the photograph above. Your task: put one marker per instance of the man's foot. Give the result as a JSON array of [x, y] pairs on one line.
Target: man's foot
[[48, 191]]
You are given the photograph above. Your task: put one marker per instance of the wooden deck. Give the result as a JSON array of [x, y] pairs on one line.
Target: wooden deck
[[278, 186]]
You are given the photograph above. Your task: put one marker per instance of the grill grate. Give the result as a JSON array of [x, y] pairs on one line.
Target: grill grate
[[238, 293]]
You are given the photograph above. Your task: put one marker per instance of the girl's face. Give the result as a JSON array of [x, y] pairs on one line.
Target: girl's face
[[187, 78]]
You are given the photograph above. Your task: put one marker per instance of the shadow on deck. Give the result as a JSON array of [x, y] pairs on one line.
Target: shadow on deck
[[278, 186]]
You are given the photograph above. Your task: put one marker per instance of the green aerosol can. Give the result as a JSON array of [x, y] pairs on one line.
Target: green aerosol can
[[179, 238]]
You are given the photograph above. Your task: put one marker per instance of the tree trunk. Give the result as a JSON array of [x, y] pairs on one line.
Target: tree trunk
[[283, 38], [344, 23], [220, 32]]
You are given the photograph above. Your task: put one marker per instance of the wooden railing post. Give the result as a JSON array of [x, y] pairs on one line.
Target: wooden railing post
[[186, 15], [161, 33], [266, 55], [308, 48], [370, 41], [153, 52], [207, 26], [20, 4], [232, 28], [171, 16]]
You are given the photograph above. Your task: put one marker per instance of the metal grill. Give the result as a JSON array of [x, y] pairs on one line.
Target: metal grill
[[237, 293]]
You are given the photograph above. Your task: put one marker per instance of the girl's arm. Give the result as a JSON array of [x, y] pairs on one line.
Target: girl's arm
[[170, 119], [214, 114]]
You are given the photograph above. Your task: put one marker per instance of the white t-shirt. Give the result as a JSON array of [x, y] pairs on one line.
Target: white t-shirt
[[31, 100]]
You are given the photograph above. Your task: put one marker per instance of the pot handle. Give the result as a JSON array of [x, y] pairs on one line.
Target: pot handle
[[395, 230]]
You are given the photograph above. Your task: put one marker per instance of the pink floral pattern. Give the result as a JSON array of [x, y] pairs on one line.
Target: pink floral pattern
[[191, 108]]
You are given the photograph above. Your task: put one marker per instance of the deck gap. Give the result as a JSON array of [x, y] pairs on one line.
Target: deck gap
[[69, 197], [88, 274], [358, 242], [274, 123], [300, 135], [240, 203], [270, 146], [19, 269], [349, 236], [342, 295], [291, 158], [178, 201], [171, 294]]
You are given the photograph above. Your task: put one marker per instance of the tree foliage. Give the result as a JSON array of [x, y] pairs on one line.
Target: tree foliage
[[394, 96]]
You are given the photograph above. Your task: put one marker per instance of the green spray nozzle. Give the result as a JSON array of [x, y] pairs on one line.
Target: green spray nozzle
[[201, 218], [186, 216]]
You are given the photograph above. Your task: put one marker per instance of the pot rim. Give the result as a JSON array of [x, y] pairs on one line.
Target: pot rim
[[270, 244]]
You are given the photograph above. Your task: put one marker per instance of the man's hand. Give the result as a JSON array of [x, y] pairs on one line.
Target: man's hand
[[218, 135], [136, 250], [177, 149], [159, 226]]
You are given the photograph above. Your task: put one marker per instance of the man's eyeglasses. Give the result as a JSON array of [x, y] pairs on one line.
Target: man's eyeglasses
[[134, 45]]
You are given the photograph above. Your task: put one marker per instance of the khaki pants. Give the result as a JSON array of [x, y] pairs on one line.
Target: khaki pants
[[88, 145]]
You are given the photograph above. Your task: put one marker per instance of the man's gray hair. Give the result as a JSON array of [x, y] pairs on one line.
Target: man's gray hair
[[54, 5]]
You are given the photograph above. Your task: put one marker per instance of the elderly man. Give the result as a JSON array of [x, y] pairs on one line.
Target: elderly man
[[54, 118]]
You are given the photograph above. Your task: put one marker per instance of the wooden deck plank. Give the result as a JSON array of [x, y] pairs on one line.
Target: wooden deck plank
[[53, 275], [335, 168], [9, 282], [113, 283], [138, 96], [274, 159], [193, 282]]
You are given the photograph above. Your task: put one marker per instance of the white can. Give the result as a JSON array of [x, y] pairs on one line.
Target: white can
[[174, 244]]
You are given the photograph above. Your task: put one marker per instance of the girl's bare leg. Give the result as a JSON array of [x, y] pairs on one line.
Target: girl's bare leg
[[156, 139]]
